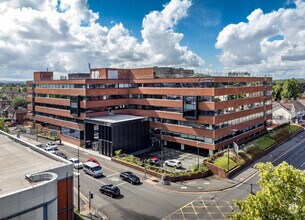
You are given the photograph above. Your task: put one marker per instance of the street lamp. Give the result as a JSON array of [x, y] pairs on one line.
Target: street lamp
[[78, 184], [198, 153], [161, 140]]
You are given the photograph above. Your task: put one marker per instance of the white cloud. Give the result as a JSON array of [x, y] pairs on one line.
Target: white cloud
[[247, 46], [65, 35]]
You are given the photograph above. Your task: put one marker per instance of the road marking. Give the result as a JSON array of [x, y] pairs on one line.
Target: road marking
[[112, 174], [288, 151], [114, 179], [121, 184], [302, 164]]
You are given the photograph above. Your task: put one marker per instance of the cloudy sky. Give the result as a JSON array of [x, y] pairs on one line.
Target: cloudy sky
[[262, 37]]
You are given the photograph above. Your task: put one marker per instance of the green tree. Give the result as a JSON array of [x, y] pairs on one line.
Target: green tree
[[19, 102], [2, 126], [291, 89], [277, 90], [282, 195]]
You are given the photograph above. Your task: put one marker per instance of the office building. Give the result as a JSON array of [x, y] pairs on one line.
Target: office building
[[208, 112]]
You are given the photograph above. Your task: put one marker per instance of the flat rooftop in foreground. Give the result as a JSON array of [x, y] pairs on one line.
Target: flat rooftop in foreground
[[16, 161], [116, 118]]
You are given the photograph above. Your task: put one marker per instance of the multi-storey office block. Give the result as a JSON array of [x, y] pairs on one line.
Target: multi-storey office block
[[208, 112]]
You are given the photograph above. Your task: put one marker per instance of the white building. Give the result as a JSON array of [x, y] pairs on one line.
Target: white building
[[288, 111], [34, 184]]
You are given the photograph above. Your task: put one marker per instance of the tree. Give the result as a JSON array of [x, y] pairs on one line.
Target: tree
[[282, 195], [277, 90], [291, 89], [19, 102], [3, 127]]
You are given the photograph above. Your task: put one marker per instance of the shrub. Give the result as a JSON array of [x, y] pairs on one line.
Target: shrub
[[118, 153]]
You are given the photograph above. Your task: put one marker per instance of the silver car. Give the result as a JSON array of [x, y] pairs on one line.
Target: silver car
[[76, 163]]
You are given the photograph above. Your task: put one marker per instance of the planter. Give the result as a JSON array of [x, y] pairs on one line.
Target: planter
[[167, 177]]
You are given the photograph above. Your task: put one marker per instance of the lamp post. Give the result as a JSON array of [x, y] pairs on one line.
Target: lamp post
[[198, 154], [78, 184], [161, 140]]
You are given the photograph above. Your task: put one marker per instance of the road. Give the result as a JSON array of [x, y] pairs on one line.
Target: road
[[144, 201], [219, 205]]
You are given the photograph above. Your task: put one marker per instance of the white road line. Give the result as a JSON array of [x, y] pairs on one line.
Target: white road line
[[112, 174], [288, 151], [121, 184], [303, 164]]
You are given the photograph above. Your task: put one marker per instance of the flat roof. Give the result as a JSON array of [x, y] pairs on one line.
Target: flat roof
[[18, 160], [116, 118]]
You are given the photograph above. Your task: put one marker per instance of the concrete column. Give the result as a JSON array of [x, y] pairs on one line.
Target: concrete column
[[182, 146], [211, 152], [165, 143]]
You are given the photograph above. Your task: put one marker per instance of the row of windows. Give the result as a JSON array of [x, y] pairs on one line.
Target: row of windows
[[211, 140], [209, 126], [162, 85], [72, 133]]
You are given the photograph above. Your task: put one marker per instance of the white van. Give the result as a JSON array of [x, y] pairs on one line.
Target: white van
[[93, 169]]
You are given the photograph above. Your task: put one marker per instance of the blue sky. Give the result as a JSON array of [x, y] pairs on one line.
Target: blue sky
[[206, 18], [261, 37]]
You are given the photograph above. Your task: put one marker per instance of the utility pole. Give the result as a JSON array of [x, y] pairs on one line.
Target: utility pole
[[78, 184], [198, 153], [228, 157]]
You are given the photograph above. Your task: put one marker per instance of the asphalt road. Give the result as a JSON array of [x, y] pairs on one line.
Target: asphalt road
[[144, 201], [219, 205], [293, 152]]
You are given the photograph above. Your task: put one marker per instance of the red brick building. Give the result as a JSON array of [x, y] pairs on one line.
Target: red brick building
[[209, 112]]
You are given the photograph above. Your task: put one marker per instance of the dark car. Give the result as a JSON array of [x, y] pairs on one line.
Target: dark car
[[110, 190], [154, 161], [130, 177], [60, 154]]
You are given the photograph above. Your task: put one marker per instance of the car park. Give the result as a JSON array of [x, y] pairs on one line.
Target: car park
[[110, 190], [91, 159], [93, 169], [76, 163], [60, 154], [173, 163], [130, 177]]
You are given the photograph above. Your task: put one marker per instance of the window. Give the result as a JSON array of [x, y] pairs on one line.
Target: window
[[74, 105], [190, 107]]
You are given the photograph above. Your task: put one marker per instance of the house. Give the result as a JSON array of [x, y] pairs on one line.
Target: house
[[288, 111], [18, 115]]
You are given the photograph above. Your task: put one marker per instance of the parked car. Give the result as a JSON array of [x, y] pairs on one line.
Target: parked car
[[110, 190], [130, 177], [91, 159], [154, 161], [173, 163], [76, 163], [60, 154], [93, 169], [50, 143], [51, 149]]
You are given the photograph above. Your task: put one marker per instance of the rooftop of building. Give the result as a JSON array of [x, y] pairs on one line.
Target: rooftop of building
[[18, 160], [115, 118]]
